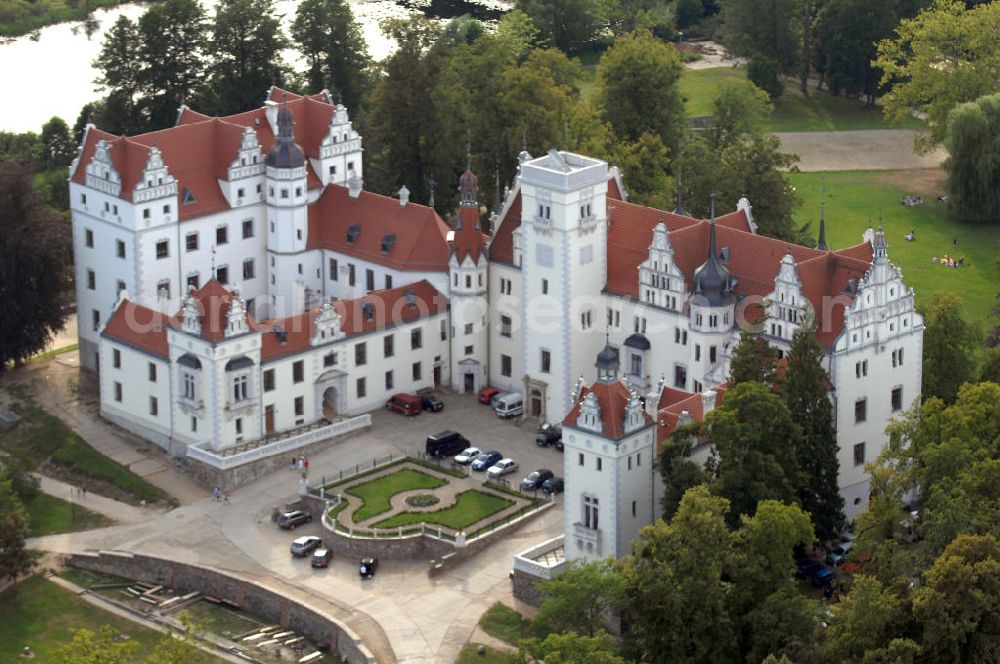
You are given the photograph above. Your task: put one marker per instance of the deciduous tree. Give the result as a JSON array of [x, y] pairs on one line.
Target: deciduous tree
[[753, 360], [677, 471], [579, 599], [571, 648], [15, 559], [769, 28], [121, 66], [57, 145], [973, 163], [569, 25], [950, 345], [863, 622], [334, 49]]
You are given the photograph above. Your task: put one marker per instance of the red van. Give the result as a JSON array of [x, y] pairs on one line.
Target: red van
[[405, 404]]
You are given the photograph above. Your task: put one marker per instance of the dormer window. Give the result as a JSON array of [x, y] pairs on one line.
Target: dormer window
[[353, 231], [187, 196], [388, 242]]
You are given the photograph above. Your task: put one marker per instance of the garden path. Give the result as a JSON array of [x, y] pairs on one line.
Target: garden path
[[113, 509]]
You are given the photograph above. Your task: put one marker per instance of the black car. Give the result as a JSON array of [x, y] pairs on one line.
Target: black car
[[535, 480], [553, 485], [367, 567], [289, 520], [431, 403], [548, 436], [485, 460], [322, 557]]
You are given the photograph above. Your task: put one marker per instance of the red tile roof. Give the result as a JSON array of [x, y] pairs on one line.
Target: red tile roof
[[214, 301], [390, 307], [502, 244], [421, 235], [667, 416], [612, 398], [469, 239], [140, 327]]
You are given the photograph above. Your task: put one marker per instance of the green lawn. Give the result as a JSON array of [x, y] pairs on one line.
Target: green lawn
[[470, 506], [506, 624], [40, 615], [48, 515], [793, 111], [855, 197], [377, 493], [470, 655]]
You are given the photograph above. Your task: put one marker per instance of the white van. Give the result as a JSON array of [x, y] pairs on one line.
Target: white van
[[509, 404]]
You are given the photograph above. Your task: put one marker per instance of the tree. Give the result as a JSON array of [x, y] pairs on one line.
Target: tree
[[862, 622], [569, 25], [15, 559], [973, 163], [950, 345], [121, 68], [764, 72], [989, 365], [959, 605], [58, 148], [35, 251], [768, 28], [334, 49], [101, 647], [674, 584], [678, 472], [173, 37], [688, 12], [580, 599], [645, 167], [737, 111], [571, 648], [638, 88], [753, 360], [944, 56], [755, 440], [246, 46], [806, 391], [784, 623], [657, 16]]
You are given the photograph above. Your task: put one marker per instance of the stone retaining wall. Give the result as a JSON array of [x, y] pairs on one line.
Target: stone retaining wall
[[271, 605], [526, 588]]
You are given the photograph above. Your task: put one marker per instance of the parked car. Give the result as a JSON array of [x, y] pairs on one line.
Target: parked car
[[501, 467], [838, 554], [405, 404], [559, 445], [823, 578], [485, 460], [367, 568], [553, 485], [432, 404], [535, 480], [321, 557], [303, 546], [807, 567], [445, 443], [290, 520], [486, 395], [468, 455], [548, 435]]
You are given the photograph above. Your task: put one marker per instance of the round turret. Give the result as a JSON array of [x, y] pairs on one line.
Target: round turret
[[285, 153]]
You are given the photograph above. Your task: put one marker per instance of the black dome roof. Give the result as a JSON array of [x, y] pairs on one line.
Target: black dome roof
[[713, 281], [285, 153]]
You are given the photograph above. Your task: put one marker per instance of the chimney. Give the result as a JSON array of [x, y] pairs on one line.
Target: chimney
[[271, 113], [404, 196], [707, 401], [354, 185]]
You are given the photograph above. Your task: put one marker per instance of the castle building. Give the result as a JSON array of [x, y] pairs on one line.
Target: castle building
[[235, 282]]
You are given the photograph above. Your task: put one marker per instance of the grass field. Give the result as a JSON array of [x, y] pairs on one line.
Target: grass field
[[793, 111], [40, 615], [60, 452], [48, 515], [855, 197], [377, 493], [470, 655], [506, 624], [470, 506]]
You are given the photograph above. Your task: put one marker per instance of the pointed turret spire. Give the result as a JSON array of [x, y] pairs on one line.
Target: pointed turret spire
[[712, 280], [679, 208], [821, 244], [497, 196], [468, 184], [285, 153]]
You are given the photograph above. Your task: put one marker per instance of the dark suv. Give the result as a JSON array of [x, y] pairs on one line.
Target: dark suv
[[289, 520], [534, 481], [549, 435]]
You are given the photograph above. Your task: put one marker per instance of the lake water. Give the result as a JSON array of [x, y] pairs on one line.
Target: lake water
[[51, 73]]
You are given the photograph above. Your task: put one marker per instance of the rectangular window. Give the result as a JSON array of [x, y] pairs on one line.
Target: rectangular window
[[680, 376], [600, 465], [505, 365], [118, 392], [95, 318], [333, 269], [154, 406], [248, 229], [633, 509], [712, 354], [546, 361], [163, 289], [350, 274], [468, 328], [362, 388], [222, 235], [360, 354], [298, 371], [194, 423], [152, 372], [91, 280], [580, 459], [329, 359], [505, 326], [146, 213], [268, 380], [545, 286], [388, 281], [897, 399], [88, 238], [590, 506], [859, 454], [697, 352], [861, 410], [468, 350], [249, 272], [166, 209], [417, 371], [444, 330], [239, 426], [388, 380], [191, 242], [162, 249], [121, 249], [222, 274], [416, 338], [116, 358], [388, 346], [369, 280], [193, 281], [638, 458], [300, 406]]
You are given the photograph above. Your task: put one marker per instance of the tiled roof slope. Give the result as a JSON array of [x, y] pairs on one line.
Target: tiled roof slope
[[612, 398], [140, 327]]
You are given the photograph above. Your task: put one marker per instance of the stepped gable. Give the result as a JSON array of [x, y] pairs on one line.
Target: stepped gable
[[213, 301], [389, 308], [612, 398], [139, 327], [824, 283], [421, 235]]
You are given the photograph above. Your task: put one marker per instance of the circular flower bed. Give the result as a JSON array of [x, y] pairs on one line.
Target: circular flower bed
[[422, 500]]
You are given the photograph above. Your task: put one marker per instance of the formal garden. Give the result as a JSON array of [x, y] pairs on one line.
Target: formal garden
[[407, 493]]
